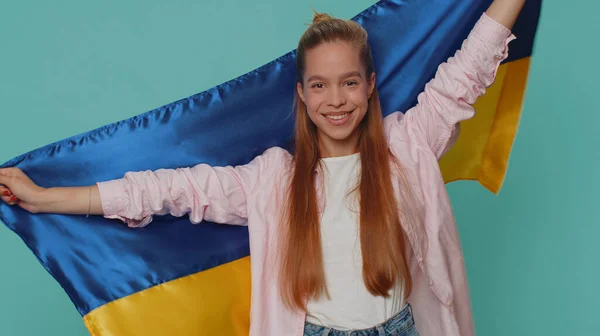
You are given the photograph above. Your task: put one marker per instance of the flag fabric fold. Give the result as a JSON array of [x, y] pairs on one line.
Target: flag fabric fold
[[176, 278]]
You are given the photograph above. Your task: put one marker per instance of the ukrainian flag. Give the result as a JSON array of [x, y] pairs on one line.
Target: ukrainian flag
[[174, 278]]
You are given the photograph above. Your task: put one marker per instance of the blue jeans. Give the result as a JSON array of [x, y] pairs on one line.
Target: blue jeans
[[402, 324]]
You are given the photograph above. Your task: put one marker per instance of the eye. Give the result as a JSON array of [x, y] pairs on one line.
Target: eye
[[317, 86], [351, 83]]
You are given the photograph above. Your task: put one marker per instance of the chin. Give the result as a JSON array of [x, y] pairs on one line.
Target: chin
[[340, 135]]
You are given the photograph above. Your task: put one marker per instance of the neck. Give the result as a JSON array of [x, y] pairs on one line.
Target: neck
[[329, 147]]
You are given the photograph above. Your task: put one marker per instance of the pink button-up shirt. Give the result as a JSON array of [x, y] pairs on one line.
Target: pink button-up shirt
[[251, 195]]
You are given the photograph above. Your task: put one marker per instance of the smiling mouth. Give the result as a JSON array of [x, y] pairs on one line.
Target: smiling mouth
[[337, 116]]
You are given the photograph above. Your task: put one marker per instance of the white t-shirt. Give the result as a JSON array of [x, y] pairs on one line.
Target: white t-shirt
[[351, 305]]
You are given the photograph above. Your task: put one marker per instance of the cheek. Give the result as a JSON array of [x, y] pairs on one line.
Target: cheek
[[360, 99], [313, 102]]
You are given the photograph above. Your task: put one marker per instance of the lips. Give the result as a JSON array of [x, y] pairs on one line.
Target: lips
[[337, 115], [337, 118]]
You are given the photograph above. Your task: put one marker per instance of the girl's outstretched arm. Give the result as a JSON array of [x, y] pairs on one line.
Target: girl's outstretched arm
[[217, 194]]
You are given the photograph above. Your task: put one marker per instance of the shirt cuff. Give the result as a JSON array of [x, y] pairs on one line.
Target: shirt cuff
[[112, 197], [492, 31]]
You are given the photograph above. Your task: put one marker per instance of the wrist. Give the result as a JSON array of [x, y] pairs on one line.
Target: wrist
[[47, 199]]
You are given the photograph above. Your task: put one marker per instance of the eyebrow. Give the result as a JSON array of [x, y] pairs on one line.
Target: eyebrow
[[346, 75]]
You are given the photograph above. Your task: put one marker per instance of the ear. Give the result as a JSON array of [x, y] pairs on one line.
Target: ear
[[300, 92], [371, 84]]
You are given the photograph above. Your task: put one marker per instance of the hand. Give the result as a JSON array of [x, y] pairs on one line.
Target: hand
[[17, 188]]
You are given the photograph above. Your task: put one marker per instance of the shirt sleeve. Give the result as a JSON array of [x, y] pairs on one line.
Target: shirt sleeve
[[217, 194], [447, 99]]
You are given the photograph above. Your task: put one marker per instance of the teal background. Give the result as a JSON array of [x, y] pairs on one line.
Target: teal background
[[532, 251]]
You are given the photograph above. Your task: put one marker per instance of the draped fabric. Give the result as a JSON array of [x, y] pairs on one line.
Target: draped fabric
[[174, 278]]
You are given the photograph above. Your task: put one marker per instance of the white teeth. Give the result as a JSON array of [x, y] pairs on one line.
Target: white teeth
[[337, 117]]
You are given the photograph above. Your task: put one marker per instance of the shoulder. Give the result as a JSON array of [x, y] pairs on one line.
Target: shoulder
[[404, 139], [269, 170], [277, 153], [393, 120], [273, 160], [399, 133], [275, 157]]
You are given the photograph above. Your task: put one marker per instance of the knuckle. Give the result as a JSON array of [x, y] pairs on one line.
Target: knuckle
[[14, 170]]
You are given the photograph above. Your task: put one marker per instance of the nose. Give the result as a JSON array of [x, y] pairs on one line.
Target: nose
[[337, 97]]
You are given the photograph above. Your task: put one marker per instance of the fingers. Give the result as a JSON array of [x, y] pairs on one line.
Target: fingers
[[6, 177], [10, 200], [4, 191], [7, 174], [7, 196]]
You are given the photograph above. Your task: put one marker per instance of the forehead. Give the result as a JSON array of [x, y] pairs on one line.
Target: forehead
[[332, 58]]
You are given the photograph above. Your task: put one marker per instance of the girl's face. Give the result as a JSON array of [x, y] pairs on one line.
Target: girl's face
[[336, 92]]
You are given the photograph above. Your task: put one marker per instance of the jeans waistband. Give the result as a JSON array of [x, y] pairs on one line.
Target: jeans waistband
[[396, 325]]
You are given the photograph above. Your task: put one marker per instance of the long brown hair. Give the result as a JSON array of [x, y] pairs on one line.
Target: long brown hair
[[381, 235]]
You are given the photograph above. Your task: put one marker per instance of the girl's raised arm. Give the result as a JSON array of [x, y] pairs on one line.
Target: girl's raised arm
[[458, 83]]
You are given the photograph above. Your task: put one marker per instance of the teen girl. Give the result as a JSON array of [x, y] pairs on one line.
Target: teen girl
[[355, 223]]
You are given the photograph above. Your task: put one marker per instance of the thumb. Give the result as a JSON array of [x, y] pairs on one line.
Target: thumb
[[28, 207]]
